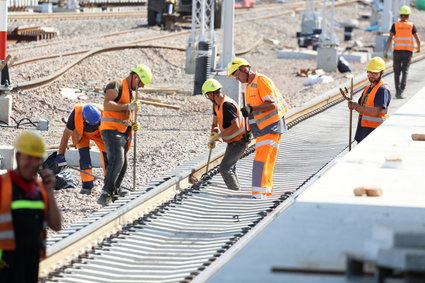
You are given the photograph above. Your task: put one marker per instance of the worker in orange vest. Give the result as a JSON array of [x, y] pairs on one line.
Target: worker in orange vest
[[229, 125], [374, 102], [83, 126], [27, 208], [265, 110], [403, 33], [118, 120]]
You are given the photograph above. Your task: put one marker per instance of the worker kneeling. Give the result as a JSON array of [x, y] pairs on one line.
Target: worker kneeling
[[229, 125], [83, 126]]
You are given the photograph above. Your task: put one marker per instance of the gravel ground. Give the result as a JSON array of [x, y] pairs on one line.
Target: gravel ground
[[167, 137]]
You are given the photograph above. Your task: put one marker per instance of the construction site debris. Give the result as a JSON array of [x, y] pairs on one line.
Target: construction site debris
[[368, 191], [314, 79], [30, 33], [418, 137]]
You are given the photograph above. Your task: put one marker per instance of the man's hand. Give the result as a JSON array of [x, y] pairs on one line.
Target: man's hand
[[352, 105], [246, 111], [135, 127], [134, 106], [418, 49], [49, 179], [60, 159], [211, 144], [385, 56]]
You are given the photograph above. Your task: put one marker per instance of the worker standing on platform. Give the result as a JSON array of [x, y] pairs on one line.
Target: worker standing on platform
[[27, 208], [229, 125], [265, 110], [83, 126], [374, 102], [403, 33], [117, 124]]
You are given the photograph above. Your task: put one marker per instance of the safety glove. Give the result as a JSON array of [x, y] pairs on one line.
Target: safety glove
[[135, 126], [214, 136], [211, 144], [385, 56], [60, 159], [246, 111], [134, 106]]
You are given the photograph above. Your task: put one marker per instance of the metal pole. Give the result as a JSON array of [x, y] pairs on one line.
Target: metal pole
[[136, 97], [351, 118], [228, 26], [208, 162], [3, 29]]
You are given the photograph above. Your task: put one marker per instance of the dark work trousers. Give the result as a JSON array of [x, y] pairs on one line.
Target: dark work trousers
[[116, 144], [234, 151], [401, 63]]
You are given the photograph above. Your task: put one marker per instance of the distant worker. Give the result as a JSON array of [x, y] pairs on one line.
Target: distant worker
[[120, 109], [228, 124], [265, 110], [403, 33], [83, 126], [27, 208], [374, 102]]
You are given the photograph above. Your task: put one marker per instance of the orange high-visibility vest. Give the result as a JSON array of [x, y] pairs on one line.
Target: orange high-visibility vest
[[253, 98], [118, 120], [237, 133], [373, 121], [78, 133], [403, 38], [7, 233]]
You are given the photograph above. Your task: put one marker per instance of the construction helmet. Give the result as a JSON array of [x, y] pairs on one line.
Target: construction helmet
[[235, 65], [30, 143], [210, 85], [91, 114], [144, 73], [376, 64], [405, 10]]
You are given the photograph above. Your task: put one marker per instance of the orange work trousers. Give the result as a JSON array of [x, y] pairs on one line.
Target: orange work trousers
[[266, 148], [85, 143]]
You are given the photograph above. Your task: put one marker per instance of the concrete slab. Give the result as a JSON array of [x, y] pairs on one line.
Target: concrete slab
[[5, 108], [312, 55], [7, 157]]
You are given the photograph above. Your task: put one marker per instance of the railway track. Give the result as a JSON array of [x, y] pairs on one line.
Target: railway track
[[172, 231]]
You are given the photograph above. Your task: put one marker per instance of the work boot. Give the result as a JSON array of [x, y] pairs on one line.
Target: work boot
[[400, 96], [259, 196], [120, 192], [104, 199], [85, 191]]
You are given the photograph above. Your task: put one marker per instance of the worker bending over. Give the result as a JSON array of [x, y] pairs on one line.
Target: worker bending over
[[27, 208], [83, 126], [373, 104], [117, 124], [265, 110], [228, 124]]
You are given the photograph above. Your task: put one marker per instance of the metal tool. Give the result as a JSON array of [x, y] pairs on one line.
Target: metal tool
[[208, 162], [349, 97], [94, 176], [135, 96]]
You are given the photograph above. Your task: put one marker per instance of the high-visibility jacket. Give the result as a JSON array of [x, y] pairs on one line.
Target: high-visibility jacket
[[403, 38], [7, 233], [78, 133], [254, 98], [118, 120], [372, 121], [236, 134]]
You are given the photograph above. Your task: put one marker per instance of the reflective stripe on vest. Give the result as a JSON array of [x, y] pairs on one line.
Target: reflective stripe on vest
[[253, 97], [118, 120], [79, 121], [236, 134], [403, 38], [27, 204], [372, 121]]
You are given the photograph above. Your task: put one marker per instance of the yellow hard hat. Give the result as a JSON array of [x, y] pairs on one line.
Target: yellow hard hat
[[30, 143], [376, 64], [144, 73], [235, 65], [405, 10], [210, 85]]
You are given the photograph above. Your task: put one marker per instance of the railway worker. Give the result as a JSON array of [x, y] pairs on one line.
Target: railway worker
[[403, 33], [265, 108], [27, 207], [374, 102], [228, 124], [83, 126], [117, 124]]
